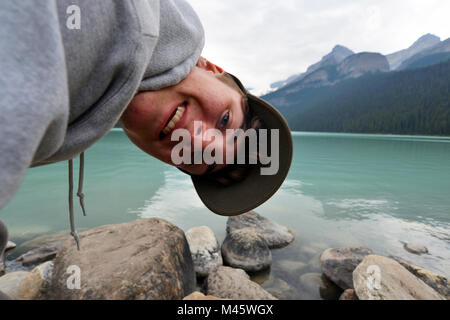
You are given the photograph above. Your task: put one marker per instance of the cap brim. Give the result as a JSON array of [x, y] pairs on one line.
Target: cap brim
[[256, 188]]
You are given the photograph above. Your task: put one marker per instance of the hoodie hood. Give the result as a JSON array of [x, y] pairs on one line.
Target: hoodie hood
[[180, 43], [154, 44]]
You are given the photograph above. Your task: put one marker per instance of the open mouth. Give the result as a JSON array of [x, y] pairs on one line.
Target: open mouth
[[173, 120]]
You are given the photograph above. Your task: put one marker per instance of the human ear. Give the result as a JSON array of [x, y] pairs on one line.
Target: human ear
[[209, 66]]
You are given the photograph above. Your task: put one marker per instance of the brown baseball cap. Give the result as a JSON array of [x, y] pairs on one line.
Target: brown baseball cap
[[255, 188]]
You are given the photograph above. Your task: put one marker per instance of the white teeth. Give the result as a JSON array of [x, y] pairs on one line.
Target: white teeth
[[178, 115]]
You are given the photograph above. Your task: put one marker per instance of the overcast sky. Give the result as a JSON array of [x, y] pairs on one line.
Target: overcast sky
[[263, 41]]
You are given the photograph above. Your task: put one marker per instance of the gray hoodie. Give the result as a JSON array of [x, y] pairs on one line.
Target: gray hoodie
[[62, 88]]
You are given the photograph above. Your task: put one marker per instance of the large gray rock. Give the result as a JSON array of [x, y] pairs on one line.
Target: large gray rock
[[338, 264], [205, 250], [276, 236], [246, 249], [381, 278], [228, 283], [435, 281], [38, 255], [142, 259]]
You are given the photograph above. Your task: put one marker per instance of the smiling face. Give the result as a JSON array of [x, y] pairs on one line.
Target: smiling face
[[152, 116]]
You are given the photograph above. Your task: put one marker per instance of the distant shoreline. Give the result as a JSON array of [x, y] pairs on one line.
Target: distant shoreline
[[299, 133]]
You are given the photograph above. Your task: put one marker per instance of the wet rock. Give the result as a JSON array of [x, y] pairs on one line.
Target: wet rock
[[246, 249], [13, 266], [311, 249], [282, 290], [22, 285], [318, 286], [142, 259], [415, 248], [205, 250], [276, 235], [435, 281], [10, 245], [51, 240], [338, 264], [314, 263], [229, 283], [291, 267], [196, 295], [318, 246], [348, 294], [308, 251], [381, 278], [261, 276], [37, 256]]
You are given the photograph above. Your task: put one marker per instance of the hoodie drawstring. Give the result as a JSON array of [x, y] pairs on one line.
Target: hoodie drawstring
[[80, 194], [3, 243]]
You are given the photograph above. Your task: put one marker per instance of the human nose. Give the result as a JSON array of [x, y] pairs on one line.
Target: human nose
[[205, 134], [208, 141]]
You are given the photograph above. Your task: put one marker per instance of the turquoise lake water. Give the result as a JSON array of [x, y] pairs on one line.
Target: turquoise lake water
[[342, 190]]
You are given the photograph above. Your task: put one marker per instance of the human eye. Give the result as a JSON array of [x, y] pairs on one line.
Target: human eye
[[225, 120]]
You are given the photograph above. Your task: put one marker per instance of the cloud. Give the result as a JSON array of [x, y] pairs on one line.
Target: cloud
[[265, 41]]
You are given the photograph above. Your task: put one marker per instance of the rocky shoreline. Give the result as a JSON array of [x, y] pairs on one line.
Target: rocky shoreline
[[153, 259]]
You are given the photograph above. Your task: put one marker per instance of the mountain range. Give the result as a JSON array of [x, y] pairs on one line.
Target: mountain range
[[336, 55], [344, 82], [424, 42]]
